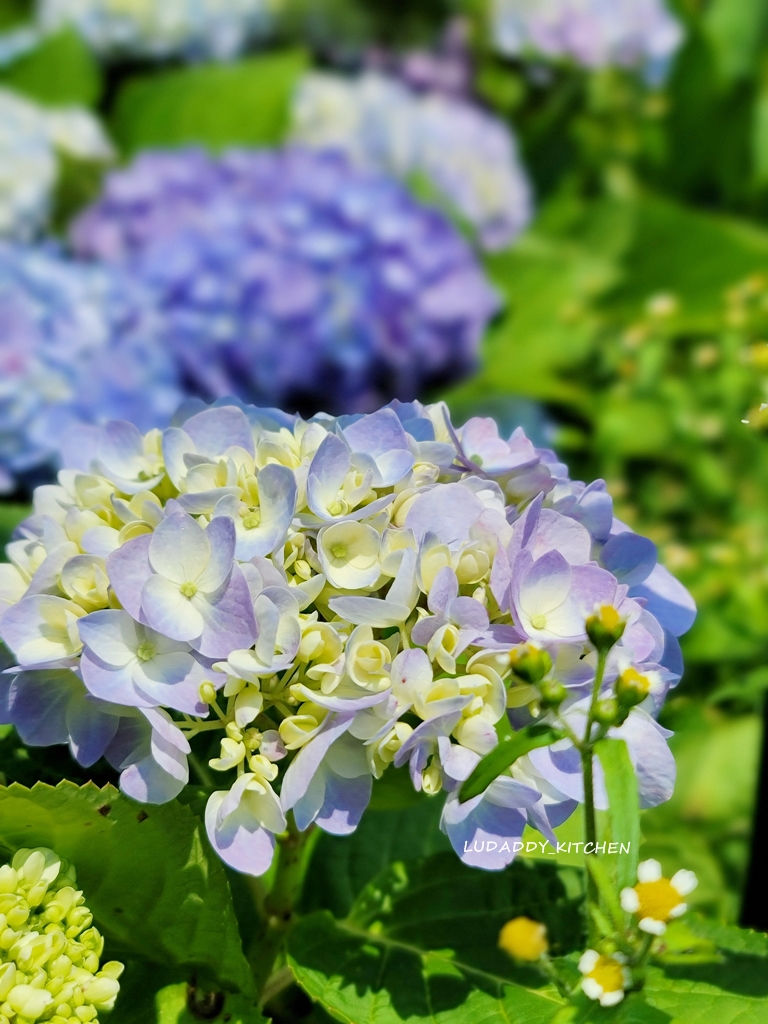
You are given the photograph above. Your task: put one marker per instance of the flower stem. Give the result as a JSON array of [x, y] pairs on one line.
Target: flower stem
[[279, 905], [587, 767]]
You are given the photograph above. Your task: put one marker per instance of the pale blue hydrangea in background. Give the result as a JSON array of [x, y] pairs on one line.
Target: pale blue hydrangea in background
[[77, 343], [594, 33], [194, 28], [30, 136], [292, 278], [467, 154], [351, 595]]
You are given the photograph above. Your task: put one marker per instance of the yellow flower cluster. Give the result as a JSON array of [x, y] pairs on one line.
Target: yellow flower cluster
[[49, 949]]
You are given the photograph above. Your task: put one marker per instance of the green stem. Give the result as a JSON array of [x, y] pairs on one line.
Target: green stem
[[587, 768], [279, 905], [645, 948]]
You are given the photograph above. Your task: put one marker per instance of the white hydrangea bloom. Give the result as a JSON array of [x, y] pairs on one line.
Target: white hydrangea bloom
[[594, 33], [30, 136], [380, 123], [218, 28]]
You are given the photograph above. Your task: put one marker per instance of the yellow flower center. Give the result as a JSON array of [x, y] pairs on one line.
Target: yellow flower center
[[188, 589], [524, 939], [657, 899], [339, 550], [145, 651], [608, 974], [538, 621], [630, 677], [252, 519]]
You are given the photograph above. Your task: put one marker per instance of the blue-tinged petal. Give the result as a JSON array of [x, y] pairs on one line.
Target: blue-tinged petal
[[667, 600], [240, 840], [128, 569]]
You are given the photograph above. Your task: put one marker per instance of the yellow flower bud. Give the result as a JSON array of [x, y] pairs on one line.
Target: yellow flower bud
[[524, 939]]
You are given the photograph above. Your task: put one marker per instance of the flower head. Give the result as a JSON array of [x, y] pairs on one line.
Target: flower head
[[193, 28], [606, 976], [524, 939], [656, 900], [30, 137], [469, 156], [595, 34], [76, 346], [290, 277], [337, 598], [49, 964]]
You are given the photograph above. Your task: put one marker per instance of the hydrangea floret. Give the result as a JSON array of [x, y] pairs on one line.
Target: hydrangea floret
[[78, 343], [593, 33], [31, 136], [292, 278], [469, 156], [49, 948], [328, 600]]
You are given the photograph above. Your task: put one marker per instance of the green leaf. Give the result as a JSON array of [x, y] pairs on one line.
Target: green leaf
[[152, 995], [155, 888], [734, 991], [735, 31], [10, 517], [342, 866], [215, 105], [421, 942], [505, 754], [61, 70], [624, 806]]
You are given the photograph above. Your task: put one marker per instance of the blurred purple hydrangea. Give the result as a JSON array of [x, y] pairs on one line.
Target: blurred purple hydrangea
[[290, 277], [594, 33], [77, 344]]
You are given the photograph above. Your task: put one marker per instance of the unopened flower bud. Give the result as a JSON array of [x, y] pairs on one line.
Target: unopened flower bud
[[524, 939], [551, 693], [605, 627], [530, 663], [607, 711], [632, 687], [207, 692]]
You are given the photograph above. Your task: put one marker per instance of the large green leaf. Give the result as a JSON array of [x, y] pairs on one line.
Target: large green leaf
[[151, 995], [215, 105], [421, 941], [61, 70], [342, 866], [692, 254], [736, 31], [623, 807], [155, 888], [734, 991]]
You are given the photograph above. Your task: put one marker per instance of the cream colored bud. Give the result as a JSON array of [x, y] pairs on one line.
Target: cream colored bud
[[29, 1002], [7, 979], [102, 992], [9, 879], [207, 692]]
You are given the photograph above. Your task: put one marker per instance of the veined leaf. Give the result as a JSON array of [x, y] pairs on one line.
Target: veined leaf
[[504, 755], [153, 885], [624, 806], [421, 941]]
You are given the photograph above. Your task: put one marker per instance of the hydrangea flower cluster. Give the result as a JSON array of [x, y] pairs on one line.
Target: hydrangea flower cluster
[[339, 596], [30, 136], [467, 154], [595, 33], [76, 344], [192, 28], [50, 951], [288, 277], [446, 68]]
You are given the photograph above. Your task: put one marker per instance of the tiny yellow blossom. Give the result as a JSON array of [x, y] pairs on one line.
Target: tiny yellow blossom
[[606, 978], [524, 939], [657, 900]]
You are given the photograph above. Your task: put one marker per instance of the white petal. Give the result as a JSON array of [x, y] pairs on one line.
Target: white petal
[[648, 871]]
